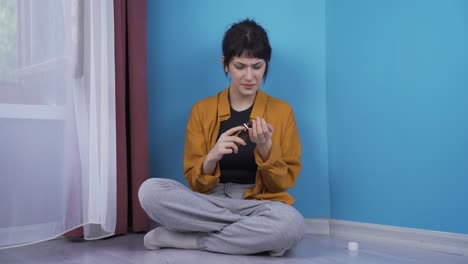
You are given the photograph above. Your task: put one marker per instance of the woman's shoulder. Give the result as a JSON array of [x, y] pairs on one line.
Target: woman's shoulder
[[209, 107], [278, 104], [206, 102]]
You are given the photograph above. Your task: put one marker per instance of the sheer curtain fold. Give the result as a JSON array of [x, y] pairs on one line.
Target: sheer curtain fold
[[57, 119], [99, 81]]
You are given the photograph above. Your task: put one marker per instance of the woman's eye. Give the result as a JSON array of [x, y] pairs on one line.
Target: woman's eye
[[257, 67], [239, 67]]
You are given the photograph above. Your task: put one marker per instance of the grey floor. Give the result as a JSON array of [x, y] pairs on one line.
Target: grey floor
[[129, 249]]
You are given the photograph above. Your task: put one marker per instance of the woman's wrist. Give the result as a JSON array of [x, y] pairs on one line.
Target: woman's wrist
[[209, 165], [264, 149]]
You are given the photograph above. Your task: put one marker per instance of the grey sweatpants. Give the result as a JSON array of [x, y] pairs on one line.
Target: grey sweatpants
[[223, 221]]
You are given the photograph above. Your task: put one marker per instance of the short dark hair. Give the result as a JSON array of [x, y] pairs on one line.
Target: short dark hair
[[246, 36]]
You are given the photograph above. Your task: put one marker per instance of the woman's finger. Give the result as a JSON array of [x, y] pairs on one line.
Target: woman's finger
[[236, 139], [228, 148], [253, 131], [270, 128], [260, 131], [233, 131]]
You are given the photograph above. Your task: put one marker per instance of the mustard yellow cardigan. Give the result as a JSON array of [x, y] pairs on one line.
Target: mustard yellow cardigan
[[274, 176]]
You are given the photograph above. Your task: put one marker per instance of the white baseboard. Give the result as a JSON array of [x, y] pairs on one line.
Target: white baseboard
[[317, 226], [451, 243]]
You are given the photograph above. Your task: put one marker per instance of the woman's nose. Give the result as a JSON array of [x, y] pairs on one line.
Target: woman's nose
[[249, 74]]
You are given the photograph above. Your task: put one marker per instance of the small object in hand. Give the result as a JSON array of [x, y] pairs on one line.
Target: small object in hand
[[244, 134], [353, 246]]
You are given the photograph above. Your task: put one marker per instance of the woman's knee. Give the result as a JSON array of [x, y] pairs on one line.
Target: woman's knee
[[290, 227], [145, 191], [153, 191]]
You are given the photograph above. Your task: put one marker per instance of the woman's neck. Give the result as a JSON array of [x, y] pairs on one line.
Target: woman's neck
[[240, 102]]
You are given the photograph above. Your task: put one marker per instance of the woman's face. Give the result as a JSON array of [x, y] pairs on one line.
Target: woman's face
[[246, 74]]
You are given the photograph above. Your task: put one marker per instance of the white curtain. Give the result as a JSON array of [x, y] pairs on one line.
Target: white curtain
[[57, 119]]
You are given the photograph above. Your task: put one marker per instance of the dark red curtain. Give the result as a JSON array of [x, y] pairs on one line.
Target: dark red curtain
[[132, 114]]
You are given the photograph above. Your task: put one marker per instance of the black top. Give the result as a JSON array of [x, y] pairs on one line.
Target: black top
[[241, 167]]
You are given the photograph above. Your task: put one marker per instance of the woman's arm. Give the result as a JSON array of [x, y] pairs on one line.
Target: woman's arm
[[195, 151], [280, 170], [201, 168]]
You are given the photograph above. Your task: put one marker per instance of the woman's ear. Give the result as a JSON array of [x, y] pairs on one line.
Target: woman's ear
[[222, 63]]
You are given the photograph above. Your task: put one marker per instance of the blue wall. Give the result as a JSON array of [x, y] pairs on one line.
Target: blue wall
[[379, 88], [184, 65], [397, 90]]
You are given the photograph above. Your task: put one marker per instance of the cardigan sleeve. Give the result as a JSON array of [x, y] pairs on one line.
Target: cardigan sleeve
[[279, 172], [195, 151]]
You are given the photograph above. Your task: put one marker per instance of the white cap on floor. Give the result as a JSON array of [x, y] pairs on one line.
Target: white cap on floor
[[353, 246]]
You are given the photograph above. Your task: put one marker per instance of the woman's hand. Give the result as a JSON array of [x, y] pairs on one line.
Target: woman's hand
[[227, 143], [261, 133]]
